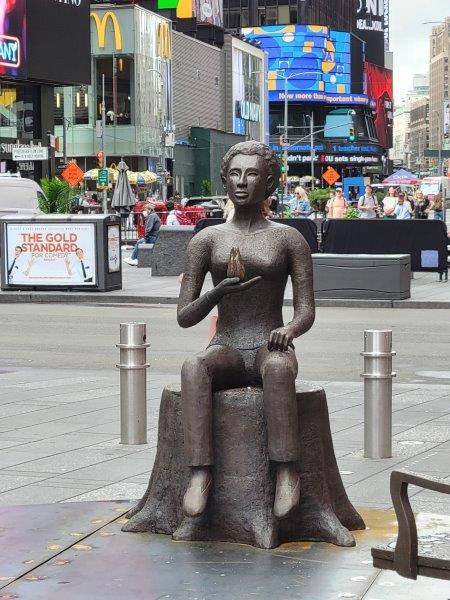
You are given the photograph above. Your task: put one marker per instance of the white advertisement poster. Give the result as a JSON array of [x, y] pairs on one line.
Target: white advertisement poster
[[114, 248], [50, 254]]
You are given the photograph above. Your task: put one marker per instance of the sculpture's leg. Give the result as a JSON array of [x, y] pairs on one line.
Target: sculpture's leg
[[218, 366], [278, 371]]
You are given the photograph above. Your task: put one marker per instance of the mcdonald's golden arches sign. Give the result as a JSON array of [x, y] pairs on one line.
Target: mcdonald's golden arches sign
[[101, 23]]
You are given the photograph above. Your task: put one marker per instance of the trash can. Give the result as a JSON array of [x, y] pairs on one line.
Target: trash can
[[61, 252]]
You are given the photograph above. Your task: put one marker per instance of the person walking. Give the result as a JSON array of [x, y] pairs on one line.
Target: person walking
[[336, 205], [389, 204], [368, 204], [438, 207], [300, 205], [421, 205], [172, 213], [152, 227], [403, 209]]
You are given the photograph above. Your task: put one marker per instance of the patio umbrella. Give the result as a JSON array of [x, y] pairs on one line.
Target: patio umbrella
[[402, 176], [123, 194]]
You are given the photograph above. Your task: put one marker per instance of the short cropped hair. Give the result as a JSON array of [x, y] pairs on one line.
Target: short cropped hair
[[260, 149]]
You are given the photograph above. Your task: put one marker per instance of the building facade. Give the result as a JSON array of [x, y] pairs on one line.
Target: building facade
[[439, 81], [39, 52], [419, 134], [131, 66], [219, 99]]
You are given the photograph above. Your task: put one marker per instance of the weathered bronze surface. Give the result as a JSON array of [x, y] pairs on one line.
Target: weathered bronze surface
[[413, 555], [250, 260]]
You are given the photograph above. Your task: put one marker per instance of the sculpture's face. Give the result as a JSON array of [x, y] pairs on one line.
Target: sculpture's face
[[247, 179]]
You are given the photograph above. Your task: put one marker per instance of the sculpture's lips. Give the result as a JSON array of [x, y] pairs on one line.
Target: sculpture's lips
[[241, 194]]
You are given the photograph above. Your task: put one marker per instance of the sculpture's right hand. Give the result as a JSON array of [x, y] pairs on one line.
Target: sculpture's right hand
[[231, 285]]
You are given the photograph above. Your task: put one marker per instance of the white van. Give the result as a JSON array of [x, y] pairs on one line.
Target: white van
[[19, 196], [431, 186]]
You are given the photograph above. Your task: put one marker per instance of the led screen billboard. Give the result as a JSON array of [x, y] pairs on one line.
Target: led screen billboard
[[380, 89], [315, 60], [59, 41], [13, 38]]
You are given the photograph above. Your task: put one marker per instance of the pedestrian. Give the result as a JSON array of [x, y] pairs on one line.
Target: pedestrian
[[421, 205], [228, 211], [337, 205], [300, 205], [152, 227], [389, 204], [172, 219], [438, 207], [403, 209], [368, 204]]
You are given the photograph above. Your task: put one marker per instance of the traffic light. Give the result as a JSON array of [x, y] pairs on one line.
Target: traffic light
[[100, 156], [351, 134]]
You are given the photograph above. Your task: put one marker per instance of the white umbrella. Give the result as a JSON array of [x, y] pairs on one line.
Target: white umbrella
[[123, 194]]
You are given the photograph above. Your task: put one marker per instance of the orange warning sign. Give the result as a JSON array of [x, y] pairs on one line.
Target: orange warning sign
[[72, 174], [331, 176]]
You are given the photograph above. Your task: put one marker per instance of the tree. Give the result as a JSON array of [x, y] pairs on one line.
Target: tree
[[59, 196]]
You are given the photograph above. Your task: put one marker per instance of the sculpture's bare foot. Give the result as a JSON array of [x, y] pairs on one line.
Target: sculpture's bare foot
[[287, 493], [196, 496]]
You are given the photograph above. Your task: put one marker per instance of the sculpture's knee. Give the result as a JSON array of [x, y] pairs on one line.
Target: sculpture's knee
[[194, 367], [279, 366]]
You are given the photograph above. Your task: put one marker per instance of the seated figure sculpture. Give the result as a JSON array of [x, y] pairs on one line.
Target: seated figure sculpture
[[252, 346]]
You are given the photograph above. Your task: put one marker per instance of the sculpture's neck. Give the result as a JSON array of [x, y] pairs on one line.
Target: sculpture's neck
[[248, 218]]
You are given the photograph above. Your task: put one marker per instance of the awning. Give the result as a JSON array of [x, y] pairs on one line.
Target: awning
[[402, 176]]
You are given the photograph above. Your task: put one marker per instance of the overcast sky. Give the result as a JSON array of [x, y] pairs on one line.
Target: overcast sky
[[410, 38]]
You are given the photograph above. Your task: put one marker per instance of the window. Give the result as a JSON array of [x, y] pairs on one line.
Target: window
[[81, 105], [283, 15], [118, 72], [59, 105], [337, 124]]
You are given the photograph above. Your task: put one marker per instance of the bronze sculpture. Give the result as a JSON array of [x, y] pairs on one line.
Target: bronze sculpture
[[252, 346], [244, 452]]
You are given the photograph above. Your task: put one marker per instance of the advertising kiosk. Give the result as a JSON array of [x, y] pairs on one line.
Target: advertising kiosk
[[61, 252]]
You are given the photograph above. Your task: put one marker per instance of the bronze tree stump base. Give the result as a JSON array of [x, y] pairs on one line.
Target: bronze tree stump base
[[240, 508]]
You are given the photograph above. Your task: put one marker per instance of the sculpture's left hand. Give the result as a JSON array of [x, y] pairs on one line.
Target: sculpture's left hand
[[280, 339]]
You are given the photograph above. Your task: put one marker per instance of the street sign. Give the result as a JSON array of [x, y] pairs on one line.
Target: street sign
[[30, 153], [72, 174], [331, 176], [435, 153], [103, 179]]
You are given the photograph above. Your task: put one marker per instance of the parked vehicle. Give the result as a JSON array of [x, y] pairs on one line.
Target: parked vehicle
[[212, 205], [19, 195]]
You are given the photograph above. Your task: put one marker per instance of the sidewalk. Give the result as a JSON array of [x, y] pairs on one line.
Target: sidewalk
[[139, 287], [59, 439]]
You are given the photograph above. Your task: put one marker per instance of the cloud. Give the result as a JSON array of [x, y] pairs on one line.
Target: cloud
[[409, 38]]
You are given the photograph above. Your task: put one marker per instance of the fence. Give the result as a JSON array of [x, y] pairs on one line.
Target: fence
[[133, 224]]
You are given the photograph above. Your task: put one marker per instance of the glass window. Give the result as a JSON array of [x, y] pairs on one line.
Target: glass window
[[19, 111], [283, 15], [81, 105], [337, 124], [118, 72], [59, 105]]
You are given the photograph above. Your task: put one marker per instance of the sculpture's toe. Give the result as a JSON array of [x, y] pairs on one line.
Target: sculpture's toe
[[196, 496], [287, 494]]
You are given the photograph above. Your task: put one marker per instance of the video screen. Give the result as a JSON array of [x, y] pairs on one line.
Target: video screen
[[13, 29]]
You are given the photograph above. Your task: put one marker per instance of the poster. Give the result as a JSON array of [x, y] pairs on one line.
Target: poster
[[380, 89], [114, 248], [50, 254]]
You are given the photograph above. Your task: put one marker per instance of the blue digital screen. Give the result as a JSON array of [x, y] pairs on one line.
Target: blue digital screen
[[315, 60]]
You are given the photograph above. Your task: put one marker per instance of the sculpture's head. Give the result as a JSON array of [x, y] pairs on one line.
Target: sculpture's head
[[250, 173]]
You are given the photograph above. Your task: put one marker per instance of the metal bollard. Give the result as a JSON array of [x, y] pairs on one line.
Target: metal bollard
[[133, 383], [378, 376]]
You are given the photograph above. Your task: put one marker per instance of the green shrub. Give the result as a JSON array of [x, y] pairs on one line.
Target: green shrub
[[319, 198], [59, 196], [205, 187], [352, 213]]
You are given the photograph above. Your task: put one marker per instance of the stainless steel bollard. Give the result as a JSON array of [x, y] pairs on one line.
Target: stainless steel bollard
[[378, 376], [133, 383]]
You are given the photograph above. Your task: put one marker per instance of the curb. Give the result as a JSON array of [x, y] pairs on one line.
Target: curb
[[74, 298]]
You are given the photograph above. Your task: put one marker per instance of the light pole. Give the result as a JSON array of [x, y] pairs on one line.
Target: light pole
[[286, 127], [162, 141]]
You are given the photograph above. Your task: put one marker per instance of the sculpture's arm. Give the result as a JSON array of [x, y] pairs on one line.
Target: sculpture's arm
[[191, 307], [301, 271]]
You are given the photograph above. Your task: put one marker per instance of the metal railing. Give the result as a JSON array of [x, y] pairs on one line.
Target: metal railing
[[133, 223]]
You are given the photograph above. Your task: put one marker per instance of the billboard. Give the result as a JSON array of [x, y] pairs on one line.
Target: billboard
[[380, 89], [50, 254], [315, 60], [13, 38], [59, 41], [370, 27], [204, 11]]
